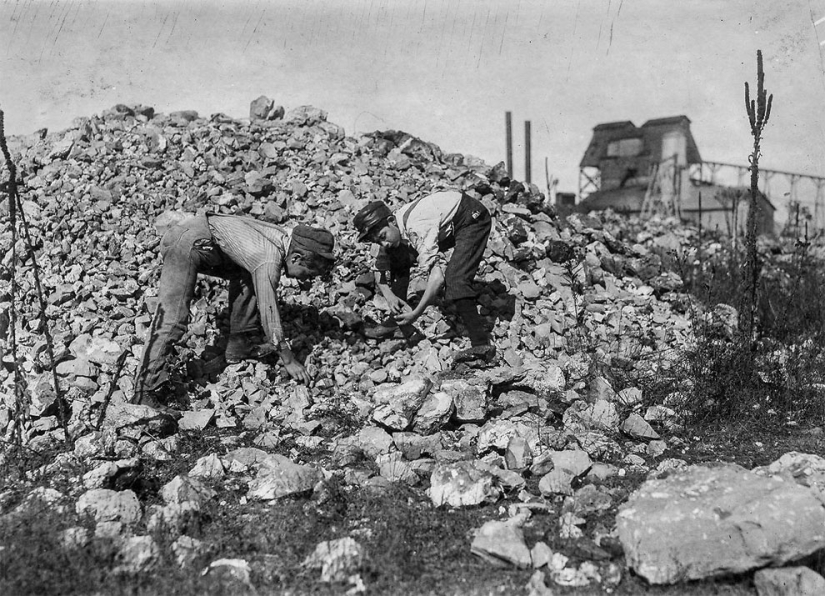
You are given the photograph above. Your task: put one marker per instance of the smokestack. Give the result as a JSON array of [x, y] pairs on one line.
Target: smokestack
[[527, 158], [508, 122]]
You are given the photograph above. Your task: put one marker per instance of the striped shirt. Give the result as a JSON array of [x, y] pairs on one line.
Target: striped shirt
[[260, 248]]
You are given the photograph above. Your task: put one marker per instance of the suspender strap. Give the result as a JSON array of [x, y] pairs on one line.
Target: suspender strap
[[418, 200], [410, 210]]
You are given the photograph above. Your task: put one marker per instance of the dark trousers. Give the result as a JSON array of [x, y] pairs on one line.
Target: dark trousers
[[471, 229], [188, 249]]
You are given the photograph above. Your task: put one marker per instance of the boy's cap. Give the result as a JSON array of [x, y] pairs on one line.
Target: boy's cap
[[374, 214], [315, 240]]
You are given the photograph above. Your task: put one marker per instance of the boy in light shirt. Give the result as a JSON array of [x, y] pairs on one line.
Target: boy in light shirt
[[413, 241]]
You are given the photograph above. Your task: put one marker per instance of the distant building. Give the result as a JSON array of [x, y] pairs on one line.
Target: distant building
[[646, 170]]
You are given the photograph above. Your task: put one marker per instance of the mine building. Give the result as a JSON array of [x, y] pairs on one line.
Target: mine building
[[656, 168]]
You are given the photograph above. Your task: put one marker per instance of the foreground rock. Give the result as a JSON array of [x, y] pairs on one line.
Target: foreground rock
[[702, 522], [791, 581]]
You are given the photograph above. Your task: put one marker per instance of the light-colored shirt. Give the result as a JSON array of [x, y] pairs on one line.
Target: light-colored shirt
[[424, 223], [260, 248]]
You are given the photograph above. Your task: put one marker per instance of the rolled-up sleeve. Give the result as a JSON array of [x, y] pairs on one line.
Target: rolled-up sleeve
[[428, 253], [266, 279], [259, 249]]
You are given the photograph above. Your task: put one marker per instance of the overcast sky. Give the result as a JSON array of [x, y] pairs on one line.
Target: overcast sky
[[443, 70]]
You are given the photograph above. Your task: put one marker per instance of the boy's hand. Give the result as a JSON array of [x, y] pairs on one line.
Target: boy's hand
[[397, 305], [407, 318], [295, 369]]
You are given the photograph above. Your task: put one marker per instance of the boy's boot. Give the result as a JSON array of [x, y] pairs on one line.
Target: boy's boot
[[480, 346]]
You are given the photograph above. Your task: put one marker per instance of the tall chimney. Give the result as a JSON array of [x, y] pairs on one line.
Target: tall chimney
[[508, 122], [527, 157]]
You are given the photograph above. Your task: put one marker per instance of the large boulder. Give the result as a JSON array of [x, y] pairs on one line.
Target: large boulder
[[710, 521]]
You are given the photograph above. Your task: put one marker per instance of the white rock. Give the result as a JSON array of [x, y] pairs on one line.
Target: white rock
[[137, 554], [184, 489], [702, 522], [789, 581], [208, 467], [280, 477], [461, 484], [110, 505], [501, 543], [338, 559]]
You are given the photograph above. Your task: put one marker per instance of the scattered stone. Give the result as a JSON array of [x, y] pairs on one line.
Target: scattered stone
[[208, 467], [197, 420], [237, 569], [537, 586], [789, 581], [540, 555], [137, 554], [501, 544], [470, 400], [174, 518], [393, 467], [433, 413], [183, 489], [279, 477], [109, 505], [461, 484], [557, 481], [188, 550], [575, 462], [95, 349], [413, 445], [374, 441], [337, 559], [638, 428], [518, 456], [74, 538]]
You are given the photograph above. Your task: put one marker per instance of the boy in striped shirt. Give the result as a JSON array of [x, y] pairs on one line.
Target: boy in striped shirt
[[252, 255]]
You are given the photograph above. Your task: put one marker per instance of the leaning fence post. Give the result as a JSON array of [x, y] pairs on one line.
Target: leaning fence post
[[14, 205]]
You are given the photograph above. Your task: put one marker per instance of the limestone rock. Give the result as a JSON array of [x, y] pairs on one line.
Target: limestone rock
[[264, 108], [557, 481], [789, 581], [137, 554], [393, 467], [280, 477], [433, 413], [461, 484], [95, 349], [182, 489], [174, 518], [136, 420], [196, 420], [413, 445], [374, 441], [470, 399], [208, 467], [806, 469], [187, 550], [502, 544], [703, 522], [638, 428], [600, 415], [109, 505], [338, 559]]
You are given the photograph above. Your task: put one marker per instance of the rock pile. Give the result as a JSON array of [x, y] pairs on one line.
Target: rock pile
[[566, 298]]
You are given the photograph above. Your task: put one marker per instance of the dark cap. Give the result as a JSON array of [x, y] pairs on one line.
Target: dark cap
[[315, 240], [371, 217]]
